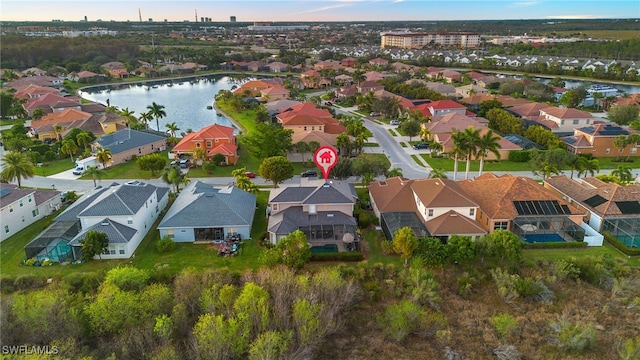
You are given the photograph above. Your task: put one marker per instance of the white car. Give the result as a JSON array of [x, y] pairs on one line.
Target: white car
[[78, 170], [394, 122]]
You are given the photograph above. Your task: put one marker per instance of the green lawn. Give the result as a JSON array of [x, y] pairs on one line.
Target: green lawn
[[54, 167], [146, 256], [503, 165], [128, 170], [371, 144], [610, 163], [245, 118], [596, 251], [416, 159], [393, 133], [375, 255]]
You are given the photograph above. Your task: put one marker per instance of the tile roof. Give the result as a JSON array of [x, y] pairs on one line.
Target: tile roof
[[210, 132], [566, 113], [224, 149], [446, 104], [495, 194], [441, 193], [393, 195], [452, 122], [529, 111], [451, 223], [202, 205], [587, 188]]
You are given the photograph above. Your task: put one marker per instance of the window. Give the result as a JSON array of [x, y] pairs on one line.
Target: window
[[607, 150], [21, 204], [313, 128], [121, 250], [22, 218], [208, 143], [35, 212], [170, 233], [6, 229], [472, 212], [29, 198], [500, 225], [305, 128], [10, 208], [197, 145], [139, 151], [130, 221], [319, 128], [576, 121], [430, 212], [561, 122], [634, 150]]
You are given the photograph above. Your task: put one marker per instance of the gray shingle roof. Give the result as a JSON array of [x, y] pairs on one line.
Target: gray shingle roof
[[202, 205], [127, 139], [120, 200], [293, 194], [328, 194], [71, 213], [116, 232], [294, 217]]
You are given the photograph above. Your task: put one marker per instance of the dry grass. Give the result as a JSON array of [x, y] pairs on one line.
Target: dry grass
[[474, 337]]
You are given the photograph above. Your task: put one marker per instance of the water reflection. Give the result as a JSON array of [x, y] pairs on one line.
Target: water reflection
[[185, 100]]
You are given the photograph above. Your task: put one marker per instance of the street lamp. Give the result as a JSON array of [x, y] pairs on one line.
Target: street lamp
[[53, 186]]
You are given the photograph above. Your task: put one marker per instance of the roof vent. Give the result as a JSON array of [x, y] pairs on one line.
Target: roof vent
[[105, 223], [329, 215]]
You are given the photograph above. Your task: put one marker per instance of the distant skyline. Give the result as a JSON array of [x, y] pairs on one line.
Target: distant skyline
[[315, 10]]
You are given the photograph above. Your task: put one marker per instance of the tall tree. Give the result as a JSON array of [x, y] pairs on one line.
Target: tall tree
[[172, 128], [620, 142], [157, 111], [488, 143], [411, 128], [69, 147], [405, 243], [301, 148], [16, 167], [437, 174], [459, 149], [623, 114], [276, 169], [103, 155], [94, 173], [94, 243], [623, 173], [471, 137], [144, 118], [151, 162], [84, 138], [587, 166], [268, 140]]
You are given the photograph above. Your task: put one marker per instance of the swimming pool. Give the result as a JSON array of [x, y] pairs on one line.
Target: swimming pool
[[328, 248], [543, 238]]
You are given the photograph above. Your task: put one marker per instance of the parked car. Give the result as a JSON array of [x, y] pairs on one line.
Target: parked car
[[309, 173], [419, 146], [328, 103], [394, 122], [78, 170], [373, 113], [133, 183], [185, 164], [250, 175]]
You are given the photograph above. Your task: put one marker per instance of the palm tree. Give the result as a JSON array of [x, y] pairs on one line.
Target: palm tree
[[144, 118], [472, 139], [585, 166], [38, 114], [313, 146], [172, 128], [301, 148], [548, 169], [488, 143], [459, 143], [103, 156], [157, 111], [239, 172], [620, 142], [95, 173], [367, 178], [438, 174], [199, 155], [424, 134], [69, 147], [83, 139], [244, 183], [128, 116], [436, 148], [58, 130], [174, 177], [633, 140], [394, 172], [623, 173], [344, 144], [16, 166]]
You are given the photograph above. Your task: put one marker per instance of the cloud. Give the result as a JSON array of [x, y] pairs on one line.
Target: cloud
[[397, 1], [525, 3], [573, 17], [324, 8]]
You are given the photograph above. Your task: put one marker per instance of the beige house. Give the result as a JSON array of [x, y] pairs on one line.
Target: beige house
[[127, 144]]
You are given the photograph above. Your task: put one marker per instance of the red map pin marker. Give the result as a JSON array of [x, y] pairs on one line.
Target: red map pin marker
[[326, 157]]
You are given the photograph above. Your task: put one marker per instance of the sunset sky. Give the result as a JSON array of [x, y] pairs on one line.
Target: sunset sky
[[314, 10]]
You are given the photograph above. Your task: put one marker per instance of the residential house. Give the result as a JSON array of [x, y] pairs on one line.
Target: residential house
[[254, 87], [274, 93], [598, 140], [473, 102], [379, 62], [470, 90], [349, 62], [431, 207], [127, 144], [125, 213], [344, 79], [529, 111], [367, 86], [441, 107], [49, 81], [313, 80], [203, 213], [444, 89], [277, 66], [52, 103], [34, 91], [373, 76], [116, 69], [323, 211], [521, 205], [274, 106], [255, 65], [214, 139], [609, 207], [22, 207], [565, 119], [633, 99], [57, 125]]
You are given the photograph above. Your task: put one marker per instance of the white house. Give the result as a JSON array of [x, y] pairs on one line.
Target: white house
[[23, 207]]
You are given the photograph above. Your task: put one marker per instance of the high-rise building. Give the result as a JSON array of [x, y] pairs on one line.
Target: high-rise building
[[232, 19], [406, 40]]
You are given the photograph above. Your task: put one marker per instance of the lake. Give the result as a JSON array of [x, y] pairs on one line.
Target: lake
[[185, 100]]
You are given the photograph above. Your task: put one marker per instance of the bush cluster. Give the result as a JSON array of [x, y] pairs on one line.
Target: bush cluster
[[616, 243], [519, 155], [339, 256], [555, 245]]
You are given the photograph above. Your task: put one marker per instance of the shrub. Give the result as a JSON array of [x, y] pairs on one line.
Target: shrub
[[519, 155], [573, 337], [401, 319], [555, 245], [504, 324], [128, 278], [165, 245], [364, 220], [31, 262], [340, 256], [6, 284], [616, 243], [387, 247], [26, 282]]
